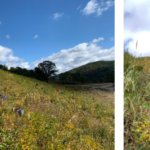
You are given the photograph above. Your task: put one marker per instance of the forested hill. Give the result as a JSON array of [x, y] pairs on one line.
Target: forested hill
[[100, 71]]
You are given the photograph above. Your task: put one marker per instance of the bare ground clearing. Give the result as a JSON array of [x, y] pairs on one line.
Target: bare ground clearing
[[98, 86]]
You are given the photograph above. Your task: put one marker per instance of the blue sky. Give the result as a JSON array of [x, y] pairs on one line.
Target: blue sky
[[68, 33], [137, 27]]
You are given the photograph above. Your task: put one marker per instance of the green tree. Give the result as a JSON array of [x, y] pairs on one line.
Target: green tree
[[39, 74], [77, 77], [12, 69], [5, 68], [48, 68], [62, 77], [25, 72], [31, 73], [68, 77], [19, 70], [1, 66]]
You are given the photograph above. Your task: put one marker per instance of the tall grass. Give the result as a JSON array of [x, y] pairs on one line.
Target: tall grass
[[136, 103], [54, 121]]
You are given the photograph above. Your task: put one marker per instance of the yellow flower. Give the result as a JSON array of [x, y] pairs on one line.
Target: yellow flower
[[22, 140], [10, 75], [22, 146], [70, 125], [79, 106], [143, 126], [17, 103], [73, 101]]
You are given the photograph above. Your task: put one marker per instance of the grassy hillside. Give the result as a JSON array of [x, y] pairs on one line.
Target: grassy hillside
[[136, 102], [100, 70], [73, 120]]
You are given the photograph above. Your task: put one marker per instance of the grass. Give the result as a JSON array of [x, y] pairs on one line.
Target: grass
[[136, 103], [55, 120]]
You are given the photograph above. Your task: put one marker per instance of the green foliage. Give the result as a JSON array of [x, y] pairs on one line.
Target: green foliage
[[136, 103], [48, 69], [44, 70], [100, 70], [4, 67]]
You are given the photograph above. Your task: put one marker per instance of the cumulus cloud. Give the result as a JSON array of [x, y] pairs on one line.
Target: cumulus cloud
[[21, 64], [79, 55], [7, 36], [58, 15], [137, 26], [94, 7], [6, 56], [35, 37]]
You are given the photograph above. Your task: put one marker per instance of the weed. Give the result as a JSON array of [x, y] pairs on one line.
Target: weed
[[73, 120], [136, 103]]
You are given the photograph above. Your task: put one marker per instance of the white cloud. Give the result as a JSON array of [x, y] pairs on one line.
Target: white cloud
[[79, 7], [66, 59], [6, 56], [97, 40], [137, 26], [0, 22], [94, 7], [35, 37], [79, 55], [7, 36], [57, 15], [21, 64], [90, 8]]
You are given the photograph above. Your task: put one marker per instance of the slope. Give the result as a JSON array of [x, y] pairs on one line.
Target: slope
[[53, 119]]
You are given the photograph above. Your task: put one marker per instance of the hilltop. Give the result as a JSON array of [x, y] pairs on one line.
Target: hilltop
[[55, 116], [100, 71]]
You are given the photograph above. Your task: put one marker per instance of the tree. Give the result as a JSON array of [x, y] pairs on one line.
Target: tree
[[68, 77], [95, 80], [19, 70], [39, 74], [76, 77], [5, 68], [12, 69], [1, 66], [48, 68], [31, 73], [62, 77]]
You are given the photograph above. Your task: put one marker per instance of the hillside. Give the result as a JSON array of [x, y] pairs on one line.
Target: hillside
[[101, 70], [104, 71], [55, 117]]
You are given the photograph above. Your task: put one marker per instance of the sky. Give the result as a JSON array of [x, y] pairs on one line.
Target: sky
[[137, 27], [68, 33]]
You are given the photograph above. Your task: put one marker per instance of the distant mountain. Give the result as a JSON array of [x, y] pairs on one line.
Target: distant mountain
[[100, 71]]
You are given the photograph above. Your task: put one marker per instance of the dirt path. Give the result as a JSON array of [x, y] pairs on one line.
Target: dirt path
[[98, 86]]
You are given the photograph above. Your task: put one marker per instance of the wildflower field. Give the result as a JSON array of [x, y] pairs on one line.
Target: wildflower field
[[55, 117], [136, 102]]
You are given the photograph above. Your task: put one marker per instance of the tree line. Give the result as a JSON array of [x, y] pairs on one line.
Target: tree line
[[46, 71], [42, 72]]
